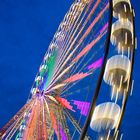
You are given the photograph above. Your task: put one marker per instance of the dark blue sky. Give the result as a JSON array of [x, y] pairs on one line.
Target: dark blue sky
[[26, 29]]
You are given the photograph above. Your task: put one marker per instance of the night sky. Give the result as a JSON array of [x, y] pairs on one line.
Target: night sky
[[26, 29]]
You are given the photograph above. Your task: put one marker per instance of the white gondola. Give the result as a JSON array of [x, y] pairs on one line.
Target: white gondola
[[105, 117], [122, 34], [117, 70], [122, 9]]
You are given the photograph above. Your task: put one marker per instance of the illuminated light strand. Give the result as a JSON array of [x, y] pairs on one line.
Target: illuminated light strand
[[104, 27], [61, 74], [95, 6], [65, 103], [11, 127], [95, 64], [85, 24], [45, 55], [87, 62], [17, 123], [86, 49], [66, 88], [54, 122], [73, 71], [94, 22], [70, 35], [89, 46], [74, 28], [47, 107], [90, 14], [40, 121], [70, 93], [92, 11], [82, 106], [48, 122], [66, 52], [64, 72], [63, 136], [59, 86], [85, 65], [37, 123], [32, 122], [45, 134], [76, 77]]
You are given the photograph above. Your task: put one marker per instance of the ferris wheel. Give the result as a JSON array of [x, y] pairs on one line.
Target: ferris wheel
[[85, 78]]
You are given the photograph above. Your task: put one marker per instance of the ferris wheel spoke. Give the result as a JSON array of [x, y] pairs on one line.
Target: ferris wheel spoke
[[92, 66], [82, 28], [11, 125], [75, 123], [86, 49], [67, 43], [75, 28], [65, 53], [75, 69]]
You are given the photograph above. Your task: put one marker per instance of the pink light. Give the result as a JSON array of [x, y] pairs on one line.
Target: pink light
[[94, 22], [54, 124], [105, 26], [76, 77], [82, 106], [95, 64], [63, 136], [65, 103], [90, 45]]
